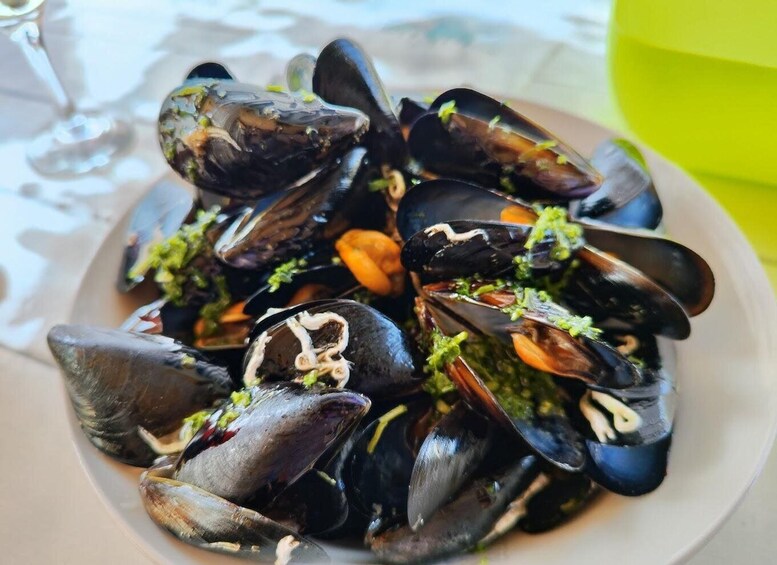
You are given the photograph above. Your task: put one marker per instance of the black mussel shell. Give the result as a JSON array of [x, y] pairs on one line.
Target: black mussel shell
[[629, 470], [268, 444], [408, 111], [156, 217], [447, 459], [535, 334], [462, 523], [444, 200], [674, 267], [345, 76], [118, 381], [312, 283], [314, 505], [605, 287], [377, 474], [209, 522], [212, 70], [550, 434], [627, 196], [384, 362], [462, 248], [636, 463], [485, 141], [288, 223], [244, 142], [559, 500]]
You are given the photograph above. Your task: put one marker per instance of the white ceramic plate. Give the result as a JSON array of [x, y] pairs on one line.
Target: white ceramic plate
[[725, 421]]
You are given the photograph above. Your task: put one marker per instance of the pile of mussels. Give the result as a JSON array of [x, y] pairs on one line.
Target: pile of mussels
[[419, 324]]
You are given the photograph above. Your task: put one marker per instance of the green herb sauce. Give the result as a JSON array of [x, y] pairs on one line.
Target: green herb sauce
[[523, 392], [284, 273]]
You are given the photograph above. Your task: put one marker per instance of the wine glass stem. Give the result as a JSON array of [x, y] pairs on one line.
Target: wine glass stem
[[28, 36]]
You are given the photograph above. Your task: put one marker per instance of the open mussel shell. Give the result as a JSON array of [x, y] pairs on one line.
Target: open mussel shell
[[383, 361], [242, 141], [462, 523], [550, 434], [629, 470], [312, 283], [210, 522], [377, 473], [315, 505], [447, 459], [632, 294], [156, 217], [674, 267], [444, 200], [563, 495], [485, 141], [118, 381], [287, 223], [461, 248], [269, 443], [627, 197], [635, 463], [536, 337], [344, 75], [604, 286]]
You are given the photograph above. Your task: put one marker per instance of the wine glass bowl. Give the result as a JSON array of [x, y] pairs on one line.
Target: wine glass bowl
[[78, 141]]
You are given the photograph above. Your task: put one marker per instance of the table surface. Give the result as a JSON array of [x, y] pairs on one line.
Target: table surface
[[124, 57]]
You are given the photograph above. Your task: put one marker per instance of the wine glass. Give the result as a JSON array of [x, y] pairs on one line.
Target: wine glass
[[79, 141]]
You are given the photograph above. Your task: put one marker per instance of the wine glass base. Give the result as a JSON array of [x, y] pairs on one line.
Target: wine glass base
[[78, 144]]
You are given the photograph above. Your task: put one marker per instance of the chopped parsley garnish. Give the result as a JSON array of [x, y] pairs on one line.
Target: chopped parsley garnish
[[204, 121], [188, 362], [212, 311], [492, 124], [442, 351], [274, 88], [525, 299], [284, 273], [241, 398], [191, 170], [522, 267], [552, 222], [195, 93], [378, 185], [561, 160], [196, 420], [227, 418], [507, 185], [463, 286], [576, 325], [175, 261], [446, 111], [310, 378]]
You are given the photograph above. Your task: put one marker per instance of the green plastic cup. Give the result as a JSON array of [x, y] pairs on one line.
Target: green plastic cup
[[697, 80]]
